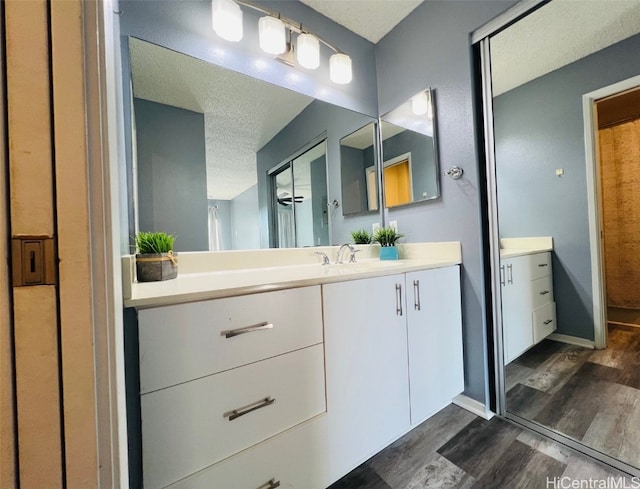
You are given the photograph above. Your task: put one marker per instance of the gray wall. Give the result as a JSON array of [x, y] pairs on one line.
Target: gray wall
[[245, 223], [539, 128], [431, 47], [172, 175], [318, 119]]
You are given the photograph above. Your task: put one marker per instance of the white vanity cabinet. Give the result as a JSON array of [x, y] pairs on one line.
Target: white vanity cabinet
[[528, 310], [434, 327], [223, 375], [394, 357]]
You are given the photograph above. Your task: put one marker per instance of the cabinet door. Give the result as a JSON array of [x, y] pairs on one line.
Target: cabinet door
[[516, 307], [366, 367], [434, 322]]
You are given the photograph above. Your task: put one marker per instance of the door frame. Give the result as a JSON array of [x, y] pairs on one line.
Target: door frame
[[594, 206]]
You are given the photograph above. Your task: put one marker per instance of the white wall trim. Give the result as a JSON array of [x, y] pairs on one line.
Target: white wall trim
[[473, 406], [593, 197], [572, 340]]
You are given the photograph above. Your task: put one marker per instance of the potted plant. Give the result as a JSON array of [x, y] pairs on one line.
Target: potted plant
[[155, 259], [387, 238], [361, 237]]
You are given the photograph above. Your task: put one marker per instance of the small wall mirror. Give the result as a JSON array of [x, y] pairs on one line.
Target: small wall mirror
[[358, 171], [409, 151]]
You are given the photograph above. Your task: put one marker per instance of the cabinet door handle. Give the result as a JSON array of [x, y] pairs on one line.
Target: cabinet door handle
[[272, 484], [548, 321], [502, 275], [510, 270], [543, 264], [544, 292], [236, 413], [416, 295], [230, 333], [398, 299]]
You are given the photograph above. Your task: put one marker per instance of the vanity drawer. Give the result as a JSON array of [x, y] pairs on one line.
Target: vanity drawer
[[188, 427], [544, 322], [541, 291], [188, 341], [539, 265]]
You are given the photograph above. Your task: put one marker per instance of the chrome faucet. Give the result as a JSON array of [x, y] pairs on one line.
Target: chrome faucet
[[339, 255]]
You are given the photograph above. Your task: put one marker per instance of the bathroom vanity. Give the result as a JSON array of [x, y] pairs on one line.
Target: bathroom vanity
[[528, 307], [291, 373]]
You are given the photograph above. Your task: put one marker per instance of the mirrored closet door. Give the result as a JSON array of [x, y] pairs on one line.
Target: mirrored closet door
[[564, 160]]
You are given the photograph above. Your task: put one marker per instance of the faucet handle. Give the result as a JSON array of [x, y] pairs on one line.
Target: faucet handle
[[352, 259], [325, 258]]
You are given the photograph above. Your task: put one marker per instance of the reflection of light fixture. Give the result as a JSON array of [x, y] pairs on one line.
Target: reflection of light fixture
[[340, 68], [275, 38], [226, 19], [308, 53], [420, 103]]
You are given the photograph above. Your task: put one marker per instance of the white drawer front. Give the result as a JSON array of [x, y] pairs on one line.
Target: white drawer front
[[544, 322], [297, 459], [184, 342], [539, 265], [184, 428], [541, 291]]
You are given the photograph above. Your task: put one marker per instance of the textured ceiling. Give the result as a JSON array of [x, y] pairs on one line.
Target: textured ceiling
[[371, 19], [241, 113], [559, 33]]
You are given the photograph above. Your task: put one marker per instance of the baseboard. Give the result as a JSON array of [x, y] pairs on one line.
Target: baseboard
[[572, 340], [473, 406]]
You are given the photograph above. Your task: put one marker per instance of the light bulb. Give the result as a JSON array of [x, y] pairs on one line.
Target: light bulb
[[308, 52], [273, 39], [226, 19], [340, 68], [420, 103]]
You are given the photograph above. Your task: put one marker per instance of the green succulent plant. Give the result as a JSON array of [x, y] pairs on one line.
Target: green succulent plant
[[147, 242], [361, 236], [386, 236]]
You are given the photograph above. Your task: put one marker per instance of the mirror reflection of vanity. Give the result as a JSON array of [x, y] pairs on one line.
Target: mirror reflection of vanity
[[566, 370]]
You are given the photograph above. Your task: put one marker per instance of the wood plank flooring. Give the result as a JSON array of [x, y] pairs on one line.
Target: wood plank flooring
[[456, 449], [592, 396]]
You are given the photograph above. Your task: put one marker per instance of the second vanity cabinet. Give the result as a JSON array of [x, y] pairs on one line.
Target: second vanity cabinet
[[528, 309], [351, 366]]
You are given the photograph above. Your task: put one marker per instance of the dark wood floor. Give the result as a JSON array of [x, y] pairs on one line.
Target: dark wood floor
[[456, 449], [592, 396]]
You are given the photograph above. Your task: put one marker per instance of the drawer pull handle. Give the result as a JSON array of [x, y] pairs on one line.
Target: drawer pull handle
[[502, 281], [230, 333], [236, 413], [398, 300], [548, 321], [543, 264], [416, 293], [510, 270], [272, 484], [544, 292]]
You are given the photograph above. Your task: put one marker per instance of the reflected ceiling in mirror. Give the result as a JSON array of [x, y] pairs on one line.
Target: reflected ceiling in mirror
[[409, 152]]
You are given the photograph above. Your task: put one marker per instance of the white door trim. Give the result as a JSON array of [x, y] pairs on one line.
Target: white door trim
[[594, 203]]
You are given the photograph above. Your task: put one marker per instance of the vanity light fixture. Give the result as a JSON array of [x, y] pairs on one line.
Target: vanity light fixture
[[226, 19], [275, 34]]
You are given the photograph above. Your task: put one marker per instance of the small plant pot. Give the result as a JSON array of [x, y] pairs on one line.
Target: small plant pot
[[388, 253], [154, 267]]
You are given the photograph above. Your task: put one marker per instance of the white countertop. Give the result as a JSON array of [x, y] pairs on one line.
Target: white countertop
[[217, 283], [512, 247]]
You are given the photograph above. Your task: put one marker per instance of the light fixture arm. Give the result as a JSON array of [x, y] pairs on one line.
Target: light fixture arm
[[292, 25]]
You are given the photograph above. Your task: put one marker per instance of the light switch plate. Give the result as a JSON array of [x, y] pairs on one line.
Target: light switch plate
[[394, 225]]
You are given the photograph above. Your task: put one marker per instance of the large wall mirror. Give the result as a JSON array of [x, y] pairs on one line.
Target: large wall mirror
[[572, 360], [206, 143]]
